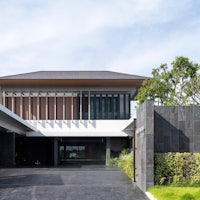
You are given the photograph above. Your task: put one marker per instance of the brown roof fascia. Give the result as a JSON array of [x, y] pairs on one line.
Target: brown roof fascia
[[67, 82]]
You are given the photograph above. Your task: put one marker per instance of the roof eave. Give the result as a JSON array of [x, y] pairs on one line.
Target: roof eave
[[71, 82]]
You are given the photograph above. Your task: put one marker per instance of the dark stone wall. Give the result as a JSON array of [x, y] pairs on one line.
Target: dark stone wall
[[145, 146], [177, 129], [7, 149]]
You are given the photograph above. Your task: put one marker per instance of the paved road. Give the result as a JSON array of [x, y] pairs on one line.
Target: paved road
[[84, 183]]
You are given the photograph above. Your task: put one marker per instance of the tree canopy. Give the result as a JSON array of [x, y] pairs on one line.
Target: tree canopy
[[179, 85]]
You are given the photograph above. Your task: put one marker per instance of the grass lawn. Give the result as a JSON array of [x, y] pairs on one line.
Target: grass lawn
[[175, 193]]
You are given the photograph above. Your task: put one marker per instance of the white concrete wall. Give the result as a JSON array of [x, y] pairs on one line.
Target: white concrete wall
[[79, 128]]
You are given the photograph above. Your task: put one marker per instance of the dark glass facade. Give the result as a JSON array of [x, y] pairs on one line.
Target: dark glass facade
[[104, 106]]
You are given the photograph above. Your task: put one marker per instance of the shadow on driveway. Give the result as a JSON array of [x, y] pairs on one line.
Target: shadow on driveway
[[87, 183]]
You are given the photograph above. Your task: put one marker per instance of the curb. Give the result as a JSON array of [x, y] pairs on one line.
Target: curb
[[150, 196]]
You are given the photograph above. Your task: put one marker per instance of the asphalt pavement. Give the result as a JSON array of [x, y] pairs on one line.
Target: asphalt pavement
[[78, 183]]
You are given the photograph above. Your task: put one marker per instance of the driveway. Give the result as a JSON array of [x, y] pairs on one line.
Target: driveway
[[81, 183]]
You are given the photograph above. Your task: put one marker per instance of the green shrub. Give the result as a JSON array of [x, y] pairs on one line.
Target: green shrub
[[177, 168], [125, 162], [113, 162]]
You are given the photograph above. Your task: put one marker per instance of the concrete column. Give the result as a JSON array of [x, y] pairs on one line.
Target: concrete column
[[7, 149], [13, 105], [38, 107], [81, 105], [107, 150], [89, 105], [55, 108], [72, 106], [21, 107], [4, 98], [47, 106], [29, 106], [64, 106], [55, 152]]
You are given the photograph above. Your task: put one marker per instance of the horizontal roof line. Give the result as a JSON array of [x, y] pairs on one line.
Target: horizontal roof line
[[70, 75]]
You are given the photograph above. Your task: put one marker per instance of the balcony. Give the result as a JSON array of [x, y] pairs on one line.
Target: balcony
[[79, 128]]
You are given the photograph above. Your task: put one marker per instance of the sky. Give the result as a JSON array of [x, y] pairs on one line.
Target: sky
[[128, 36]]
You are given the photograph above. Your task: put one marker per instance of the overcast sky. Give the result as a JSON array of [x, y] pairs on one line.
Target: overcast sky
[[130, 36]]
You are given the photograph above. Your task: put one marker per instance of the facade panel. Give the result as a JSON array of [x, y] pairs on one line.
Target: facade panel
[[25, 108], [68, 102], [59, 108], [34, 108], [81, 105], [75, 108], [17, 105], [9, 102], [42, 110], [51, 108]]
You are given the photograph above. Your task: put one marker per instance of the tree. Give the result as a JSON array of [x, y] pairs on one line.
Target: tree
[[178, 86], [193, 90]]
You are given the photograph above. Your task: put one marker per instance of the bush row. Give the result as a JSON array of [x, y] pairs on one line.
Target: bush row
[[125, 162], [177, 168]]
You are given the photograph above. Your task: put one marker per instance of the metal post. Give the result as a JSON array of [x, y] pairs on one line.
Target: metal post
[[134, 151], [107, 150]]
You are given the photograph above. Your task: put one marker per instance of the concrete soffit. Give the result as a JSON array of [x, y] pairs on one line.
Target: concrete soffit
[[13, 123], [128, 127]]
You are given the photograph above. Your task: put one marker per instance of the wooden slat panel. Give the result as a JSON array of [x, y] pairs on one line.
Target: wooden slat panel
[[51, 108], [43, 108], [59, 107], [68, 108], [25, 108], [75, 109], [9, 102], [17, 105], [34, 108]]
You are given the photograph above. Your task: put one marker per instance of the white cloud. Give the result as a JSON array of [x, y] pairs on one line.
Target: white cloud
[[72, 19], [62, 33], [142, 61]]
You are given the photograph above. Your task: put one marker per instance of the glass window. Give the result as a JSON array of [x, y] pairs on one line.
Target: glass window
[[92, 107], [75, 152], [116, 107], [109, 106]]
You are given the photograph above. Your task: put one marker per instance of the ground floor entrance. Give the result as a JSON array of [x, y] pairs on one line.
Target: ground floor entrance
[[60, 151], [82, 151]]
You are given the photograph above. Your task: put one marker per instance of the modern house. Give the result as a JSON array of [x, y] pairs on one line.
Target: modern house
[[64, 117]]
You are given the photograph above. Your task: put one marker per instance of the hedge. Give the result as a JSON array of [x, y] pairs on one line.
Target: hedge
[[177, 168]]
